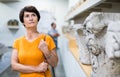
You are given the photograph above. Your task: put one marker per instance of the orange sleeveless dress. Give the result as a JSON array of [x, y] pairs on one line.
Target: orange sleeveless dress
[[30, 54]]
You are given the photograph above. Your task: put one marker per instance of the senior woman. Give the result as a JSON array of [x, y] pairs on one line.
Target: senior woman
[[32, 55]]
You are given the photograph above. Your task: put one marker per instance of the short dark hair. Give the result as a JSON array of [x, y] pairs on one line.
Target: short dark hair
[[28, 9], [52, 23]]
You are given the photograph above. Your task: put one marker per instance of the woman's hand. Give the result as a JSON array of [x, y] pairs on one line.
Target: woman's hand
[[42, 67], [44, 47]]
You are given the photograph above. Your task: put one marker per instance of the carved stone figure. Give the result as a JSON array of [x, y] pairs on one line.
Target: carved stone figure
[[13, 22], [103, 41], [80, 38]]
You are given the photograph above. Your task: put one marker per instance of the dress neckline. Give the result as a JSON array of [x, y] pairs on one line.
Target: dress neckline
[[40, 35]]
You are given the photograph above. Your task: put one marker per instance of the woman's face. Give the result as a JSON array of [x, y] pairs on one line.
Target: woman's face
[[30, 19]]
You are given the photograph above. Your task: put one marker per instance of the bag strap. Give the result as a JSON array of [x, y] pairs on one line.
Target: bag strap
[[45, 58], [44, 37]]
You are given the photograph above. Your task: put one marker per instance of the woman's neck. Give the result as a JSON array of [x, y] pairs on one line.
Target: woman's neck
[[31, 34]]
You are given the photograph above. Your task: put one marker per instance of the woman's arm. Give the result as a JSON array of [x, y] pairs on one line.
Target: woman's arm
[[55, 35], [42, 67], [51, 56]]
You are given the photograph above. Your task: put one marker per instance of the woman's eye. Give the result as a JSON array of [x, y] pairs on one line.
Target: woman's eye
[[33, 14], [26, 15]]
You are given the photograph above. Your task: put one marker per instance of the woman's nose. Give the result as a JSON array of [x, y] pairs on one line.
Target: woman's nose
[[30, 18]]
